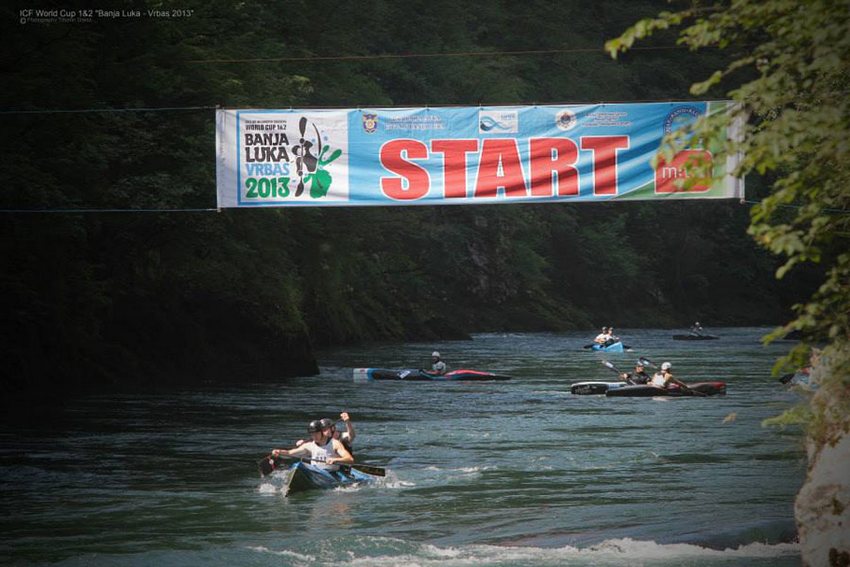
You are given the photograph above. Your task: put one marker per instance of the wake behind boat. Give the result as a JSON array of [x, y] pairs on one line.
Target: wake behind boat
[[420, 375]]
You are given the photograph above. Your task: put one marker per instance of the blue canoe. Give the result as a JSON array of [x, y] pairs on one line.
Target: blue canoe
[[419, 375], [303, 476], [613, 347]]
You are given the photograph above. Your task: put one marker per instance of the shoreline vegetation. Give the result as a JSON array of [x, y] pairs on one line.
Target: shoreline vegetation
[[141, 297]]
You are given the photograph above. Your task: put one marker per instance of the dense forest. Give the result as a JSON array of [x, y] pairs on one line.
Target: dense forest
[[176, 292]]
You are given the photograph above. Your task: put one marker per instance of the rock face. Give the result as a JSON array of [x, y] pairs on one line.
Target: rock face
[[822, 507]]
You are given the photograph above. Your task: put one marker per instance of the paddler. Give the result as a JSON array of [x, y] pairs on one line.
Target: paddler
[[324, 451], [638, 376], [602, 337], [438, 367], [664, 378], [346, 437]]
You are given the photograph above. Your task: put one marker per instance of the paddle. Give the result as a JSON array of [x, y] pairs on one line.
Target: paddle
[[617, 370], [266, 465], [787, 378], [269, 463]]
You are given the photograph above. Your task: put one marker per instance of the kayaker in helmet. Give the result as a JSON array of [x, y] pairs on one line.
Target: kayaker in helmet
[[602, 337], [664, 378], [638, 376], [324, 451], [612, 338], [346, 437], [438, 367]]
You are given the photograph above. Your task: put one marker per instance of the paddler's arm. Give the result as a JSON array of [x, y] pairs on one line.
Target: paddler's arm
[[344, 458], [297, 452], [349, 427]]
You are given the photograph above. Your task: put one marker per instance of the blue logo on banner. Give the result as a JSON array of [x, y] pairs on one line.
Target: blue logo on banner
[[681, 117], [497, 120]]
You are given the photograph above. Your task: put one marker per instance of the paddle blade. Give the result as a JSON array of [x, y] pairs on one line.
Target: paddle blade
[[369, 469], [266, 465], [611, 366], [787, 378], [647, 362]]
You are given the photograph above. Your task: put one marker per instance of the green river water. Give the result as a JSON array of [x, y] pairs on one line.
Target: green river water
[[501, 473]]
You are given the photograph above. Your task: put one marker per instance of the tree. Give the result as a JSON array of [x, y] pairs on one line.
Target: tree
[[789, 77]]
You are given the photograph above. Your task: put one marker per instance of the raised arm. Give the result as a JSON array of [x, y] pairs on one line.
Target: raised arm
[[349, 427]]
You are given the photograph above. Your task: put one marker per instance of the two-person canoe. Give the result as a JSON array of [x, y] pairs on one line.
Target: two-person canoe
[[613, 347], [303, 476], [649, 391], [420, 375]]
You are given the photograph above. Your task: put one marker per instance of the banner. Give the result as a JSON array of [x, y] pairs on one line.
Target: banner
[[459, 155]]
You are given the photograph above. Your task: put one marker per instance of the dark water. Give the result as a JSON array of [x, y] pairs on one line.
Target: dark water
[[506, 473]]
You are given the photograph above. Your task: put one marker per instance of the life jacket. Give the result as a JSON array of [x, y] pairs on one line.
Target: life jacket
[[319, 454], [639, 377]]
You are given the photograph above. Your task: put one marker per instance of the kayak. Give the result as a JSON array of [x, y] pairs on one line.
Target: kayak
[[613, 347], [303, 476], [695, 337], [419, 375], [648, 391], [594, 388]]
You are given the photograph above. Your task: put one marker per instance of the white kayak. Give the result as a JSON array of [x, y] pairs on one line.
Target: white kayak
[[594, 388]]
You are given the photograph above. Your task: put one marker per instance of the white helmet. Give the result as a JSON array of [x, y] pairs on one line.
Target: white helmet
[[435, 354], [666, 366]]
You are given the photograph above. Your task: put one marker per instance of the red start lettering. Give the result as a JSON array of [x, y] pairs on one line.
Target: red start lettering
[[418, 182], [454, 164], [500, 168], [604, 161], [553, 167], [552, 161]]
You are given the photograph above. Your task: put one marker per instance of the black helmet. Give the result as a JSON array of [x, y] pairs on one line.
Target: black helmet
[[326, 423], [314, 426]]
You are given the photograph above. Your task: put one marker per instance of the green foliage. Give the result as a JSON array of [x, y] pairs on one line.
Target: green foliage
[[791, 76], [245, 294]]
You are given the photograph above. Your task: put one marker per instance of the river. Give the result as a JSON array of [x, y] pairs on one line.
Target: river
[[519, 472]]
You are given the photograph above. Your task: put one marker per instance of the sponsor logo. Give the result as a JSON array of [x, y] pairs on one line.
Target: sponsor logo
[[370, 123], [280, 161], [680, 117], [674, 177], [566, 120], [498, 121]]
